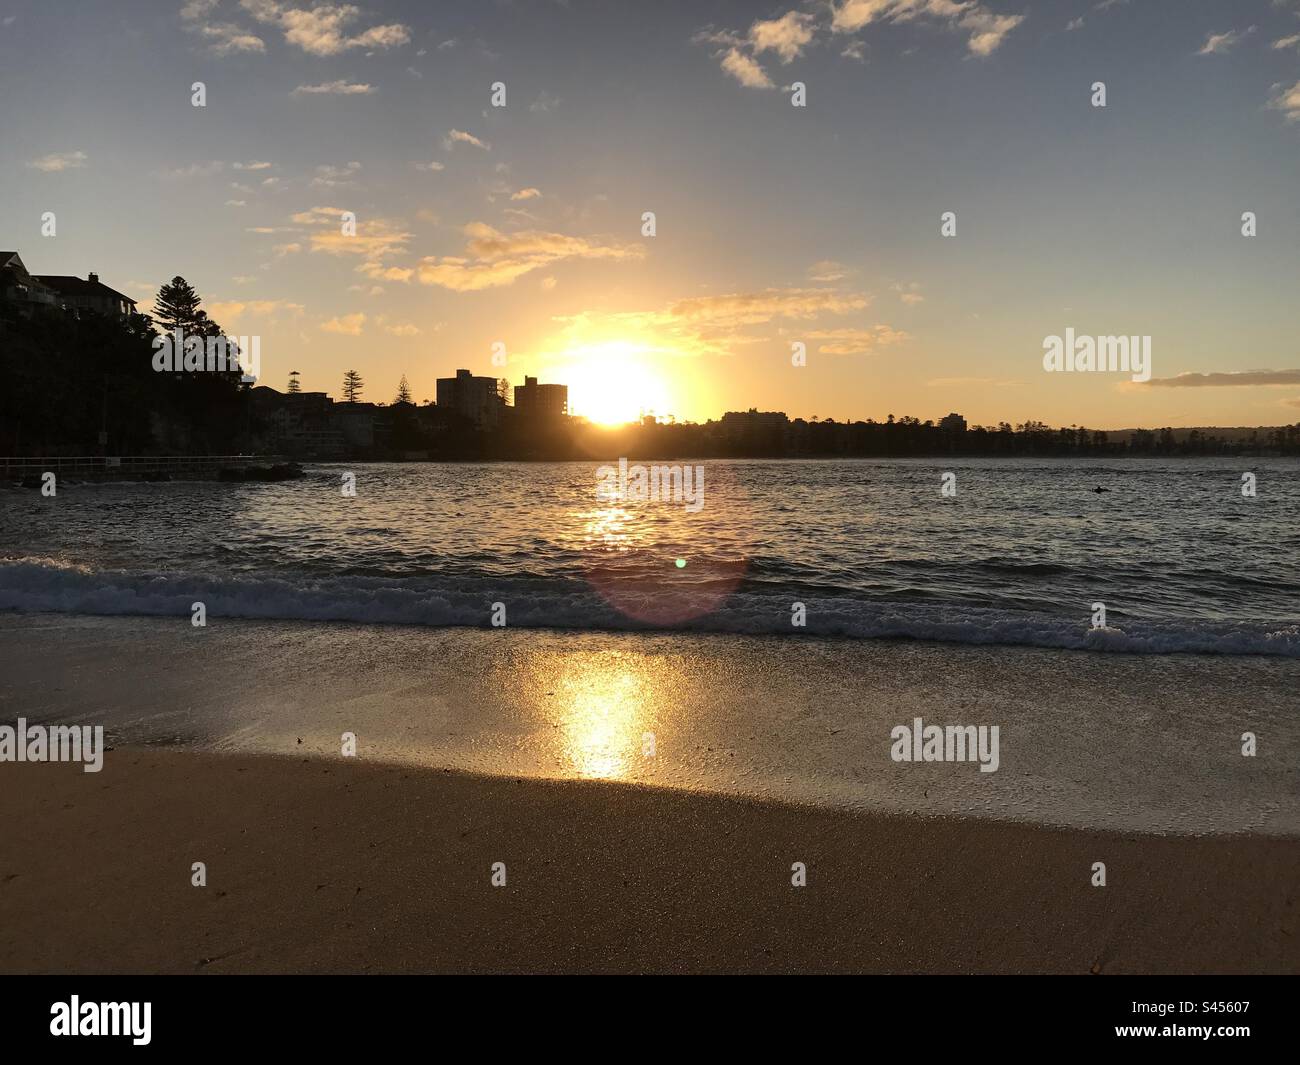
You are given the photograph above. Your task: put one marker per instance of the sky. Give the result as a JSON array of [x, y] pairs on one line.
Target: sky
[[520, 228]]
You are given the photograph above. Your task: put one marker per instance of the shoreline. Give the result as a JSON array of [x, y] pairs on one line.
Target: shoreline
[[315, 865], [1121, 743]]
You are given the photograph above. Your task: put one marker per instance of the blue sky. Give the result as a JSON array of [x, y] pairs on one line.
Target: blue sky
[[775, 224]]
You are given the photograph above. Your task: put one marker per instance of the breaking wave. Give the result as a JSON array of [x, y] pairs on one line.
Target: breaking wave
[[46, 585]]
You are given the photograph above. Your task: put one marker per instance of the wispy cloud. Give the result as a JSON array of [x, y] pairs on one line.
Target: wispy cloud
[[1217, 43], [787, 36], [827, 271], [493, 258], [233, 310], [325, 29], [193, 170], [348, 324], [745, 69], [856, 341], [224, 38], [1287, 101], [792, 34], [332, 177], [756, 308], [56, 161], [459, 136], [1227, 379], [375, 238], [334, 88], [527, 194], [985, 29]]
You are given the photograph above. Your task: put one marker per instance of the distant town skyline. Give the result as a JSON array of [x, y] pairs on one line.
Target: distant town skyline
[[522, 228]]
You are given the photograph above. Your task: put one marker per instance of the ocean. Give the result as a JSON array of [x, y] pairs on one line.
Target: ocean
[[1022, 551]]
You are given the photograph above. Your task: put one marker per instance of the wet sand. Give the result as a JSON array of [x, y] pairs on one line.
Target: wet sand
[[1126, 743], [767, 752]]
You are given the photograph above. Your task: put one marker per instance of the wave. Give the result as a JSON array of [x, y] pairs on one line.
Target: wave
[[47, 585]]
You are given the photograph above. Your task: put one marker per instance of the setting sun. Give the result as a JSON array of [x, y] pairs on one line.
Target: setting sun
[[613, 383]]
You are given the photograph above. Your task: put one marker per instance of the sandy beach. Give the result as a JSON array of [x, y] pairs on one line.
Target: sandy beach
[[767, 753], [1127, 743], [344, 866]]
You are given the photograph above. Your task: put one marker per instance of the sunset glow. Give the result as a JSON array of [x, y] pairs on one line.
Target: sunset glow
[[614, 382]]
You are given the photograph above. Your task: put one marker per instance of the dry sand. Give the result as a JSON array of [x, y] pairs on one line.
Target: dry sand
[[345, 865]]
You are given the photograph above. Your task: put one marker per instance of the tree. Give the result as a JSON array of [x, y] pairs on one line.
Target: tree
[[403, 391], [177, 306], [352, 386], [294, 386], [503, 391]]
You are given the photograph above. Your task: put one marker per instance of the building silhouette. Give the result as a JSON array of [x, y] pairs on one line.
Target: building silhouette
[[540, 402], [475, 399], [59, 291]]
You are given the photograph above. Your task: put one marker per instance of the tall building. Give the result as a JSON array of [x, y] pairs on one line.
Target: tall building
[[541, 402], [953, 423], [473, 398]]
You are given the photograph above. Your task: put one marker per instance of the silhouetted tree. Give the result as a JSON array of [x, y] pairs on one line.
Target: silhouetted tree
[[352, 386], [403, 391], [294, 386], [177, 305]]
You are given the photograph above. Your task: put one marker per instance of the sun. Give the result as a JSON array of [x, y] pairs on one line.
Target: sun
[[614, 382]]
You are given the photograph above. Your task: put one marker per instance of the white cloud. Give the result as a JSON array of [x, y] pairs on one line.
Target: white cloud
[[787, 36], [527, 194], [56, 161], [224, 38], [1217, 43], [334, 88], [322, 30], [745, 69], [1287, 101], [987, 30], [459, 136]]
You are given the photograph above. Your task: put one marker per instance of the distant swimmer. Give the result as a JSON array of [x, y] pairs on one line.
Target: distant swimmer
[[1100, 489]]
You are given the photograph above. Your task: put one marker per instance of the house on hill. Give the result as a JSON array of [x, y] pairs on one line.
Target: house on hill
[[18, 286], [58, 291], [88, 295]]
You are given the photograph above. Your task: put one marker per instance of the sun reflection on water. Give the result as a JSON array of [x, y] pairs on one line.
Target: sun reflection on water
[[608, 703]]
